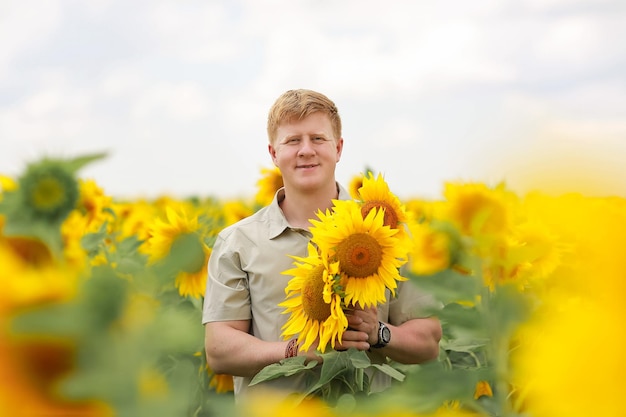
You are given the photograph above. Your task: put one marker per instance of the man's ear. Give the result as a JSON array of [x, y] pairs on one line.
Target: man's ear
[[339, 148], [272, 152]]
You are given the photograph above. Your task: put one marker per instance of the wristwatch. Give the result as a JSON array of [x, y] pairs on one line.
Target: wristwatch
[[384, 335]]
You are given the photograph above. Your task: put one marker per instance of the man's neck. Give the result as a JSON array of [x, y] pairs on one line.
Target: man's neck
[[299, 208]]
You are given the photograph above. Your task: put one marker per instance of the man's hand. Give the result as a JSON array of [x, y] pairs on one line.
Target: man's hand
[[362, 329]]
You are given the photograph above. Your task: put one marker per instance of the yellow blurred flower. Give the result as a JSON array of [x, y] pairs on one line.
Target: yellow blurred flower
[[269, 403], [570, 361], [29, 371], [91, 212], [139, 311], [152, 384], [529, 253], [93, 203], [478, 210], [31, 276], [482, 389], [235, 210], [434, 248], [133, 219], [7, 184], [182, 235], [221, 383], [193, 284], [271, 181]]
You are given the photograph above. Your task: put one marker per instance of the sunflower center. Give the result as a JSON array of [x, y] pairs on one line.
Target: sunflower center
[[313, 295], [48, 194], [359, 255], [390, 218], [31, 251]]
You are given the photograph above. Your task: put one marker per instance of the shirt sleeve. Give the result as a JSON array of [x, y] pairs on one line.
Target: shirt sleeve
[[227, 295], [411, 303]]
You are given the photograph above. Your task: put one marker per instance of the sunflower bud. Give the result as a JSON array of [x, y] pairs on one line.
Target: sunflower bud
[[48, 191]]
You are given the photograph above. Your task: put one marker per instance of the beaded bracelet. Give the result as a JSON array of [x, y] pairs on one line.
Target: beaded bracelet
[[292, 348]]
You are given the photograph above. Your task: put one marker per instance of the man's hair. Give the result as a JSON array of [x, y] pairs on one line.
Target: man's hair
[[295, 105]]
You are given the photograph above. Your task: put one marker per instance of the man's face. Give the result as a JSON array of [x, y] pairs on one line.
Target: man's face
[[306, 152]]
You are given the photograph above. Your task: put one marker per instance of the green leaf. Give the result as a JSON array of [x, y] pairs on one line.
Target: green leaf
[[129, 246], [286, 367], [389, 370], [336, 364], [430, 385], [463, 345], [462, 322], [507, 308], [449, 286], [91, 241], [77, 163]]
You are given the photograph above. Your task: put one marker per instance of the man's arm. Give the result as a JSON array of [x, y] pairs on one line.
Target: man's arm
[[414, 341], [230, 349]]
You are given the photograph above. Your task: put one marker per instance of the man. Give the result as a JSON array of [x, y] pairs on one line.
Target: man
[[241, 314]]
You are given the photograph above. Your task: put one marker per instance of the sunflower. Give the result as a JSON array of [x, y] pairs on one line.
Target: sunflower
[[42, 279], [151, 383], [271, 181], [193, 284], [356, 182], [368, 252], [6, 184], [180, 240], [94, 204], [435, 247], [478, 210], [531, 252], [31, 368], [235, 210], [313, 302], [375, 193], [48, 191], [134, 218], [221, 383]]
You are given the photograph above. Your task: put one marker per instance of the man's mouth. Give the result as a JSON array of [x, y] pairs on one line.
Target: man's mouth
[[307, 166]]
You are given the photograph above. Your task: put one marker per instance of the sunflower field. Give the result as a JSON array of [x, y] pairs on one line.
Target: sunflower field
[[101, 300]]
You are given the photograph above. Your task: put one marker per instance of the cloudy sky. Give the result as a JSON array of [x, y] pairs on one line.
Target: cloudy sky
[[530, 92]]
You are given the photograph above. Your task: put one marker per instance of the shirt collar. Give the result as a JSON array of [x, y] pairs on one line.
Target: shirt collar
[[277, 221]]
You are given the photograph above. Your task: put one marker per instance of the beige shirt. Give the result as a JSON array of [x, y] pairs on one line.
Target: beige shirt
[[245, 282]]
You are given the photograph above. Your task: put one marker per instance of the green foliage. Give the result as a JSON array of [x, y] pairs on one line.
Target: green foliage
[[478, 334], [47, 192], [339, 374]]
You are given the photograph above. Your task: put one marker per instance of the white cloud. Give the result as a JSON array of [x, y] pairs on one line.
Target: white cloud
[[24, 25], [58, 112], [198, 32], [178, 102]]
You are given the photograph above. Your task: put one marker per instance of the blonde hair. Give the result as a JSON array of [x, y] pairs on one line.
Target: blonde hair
[[297, 105]]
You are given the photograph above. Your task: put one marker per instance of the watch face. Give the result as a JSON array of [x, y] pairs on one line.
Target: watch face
[[385, 334]]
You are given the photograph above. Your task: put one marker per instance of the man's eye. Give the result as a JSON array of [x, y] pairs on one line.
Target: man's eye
[[319, 139]]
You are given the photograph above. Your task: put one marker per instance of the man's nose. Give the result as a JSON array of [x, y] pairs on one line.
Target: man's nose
[[306, 147]]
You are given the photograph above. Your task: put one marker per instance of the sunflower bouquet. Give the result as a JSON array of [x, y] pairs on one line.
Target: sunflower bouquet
[[353, 260]]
